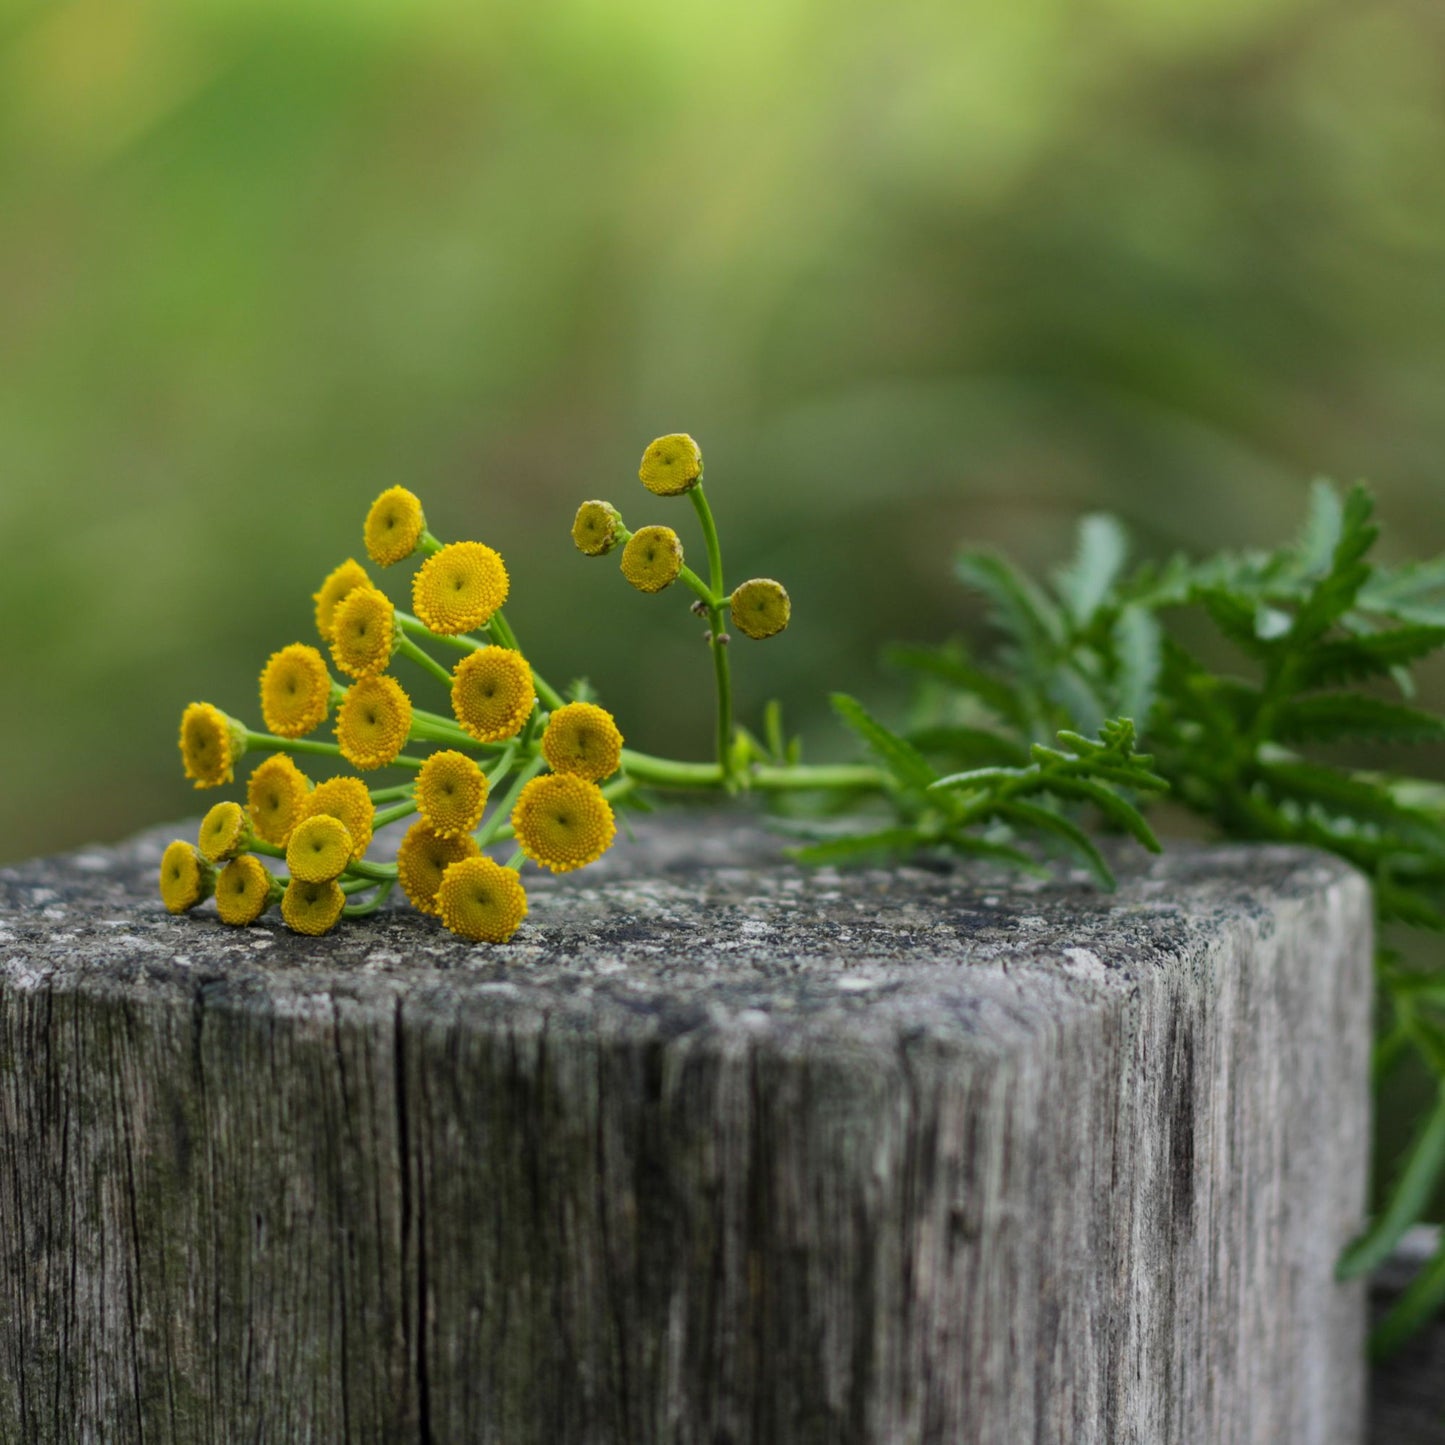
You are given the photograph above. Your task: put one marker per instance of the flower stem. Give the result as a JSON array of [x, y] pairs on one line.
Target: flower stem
[[722, 673], [515, 861], [794, 777], [503, 810], [417, 626], [391, 795], [360, 910], [309, 745], [390, 815], [408, 648], [501, 630]]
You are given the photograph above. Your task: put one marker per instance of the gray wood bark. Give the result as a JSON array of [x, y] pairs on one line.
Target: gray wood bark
[[717, 1150]]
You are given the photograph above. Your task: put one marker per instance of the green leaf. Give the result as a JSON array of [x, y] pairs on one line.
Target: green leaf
[[971, 745], [974, 846], [1322, 529], [1044, 820], [1138, 645], [1349, 659], [1407, 1201], [976, 778], [1102, 550], [773, 729], [1019, 606], [858, 845], [1110, 804], [963, 675], [1341, 792], [1335, 593], [1420, 1302], [898, 755], [1354, 715]]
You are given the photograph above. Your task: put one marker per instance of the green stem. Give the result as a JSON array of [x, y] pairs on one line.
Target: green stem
[[391, 795], [358, 885], [307, 745], [402, 810], [797, 777], [269, 850], [700, 587], [503, 810], [515, 861], [428, 728], [722, 673], [417, 626], [380, 872], [429, 544], [360, 910], [408, 648], [501, 630]]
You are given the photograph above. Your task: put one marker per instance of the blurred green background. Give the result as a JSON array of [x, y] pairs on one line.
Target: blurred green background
[[912, 274]]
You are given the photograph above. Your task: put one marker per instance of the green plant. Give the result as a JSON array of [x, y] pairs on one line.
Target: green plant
[[1319, 635]]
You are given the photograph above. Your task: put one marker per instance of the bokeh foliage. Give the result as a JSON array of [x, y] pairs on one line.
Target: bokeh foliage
[[914, 274]]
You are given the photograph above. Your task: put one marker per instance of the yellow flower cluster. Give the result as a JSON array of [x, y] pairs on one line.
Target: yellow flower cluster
[[321, 832]]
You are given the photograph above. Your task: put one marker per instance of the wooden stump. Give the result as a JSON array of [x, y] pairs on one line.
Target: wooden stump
[[718, 1150]]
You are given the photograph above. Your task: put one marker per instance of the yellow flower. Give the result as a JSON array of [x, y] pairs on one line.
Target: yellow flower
[[346, 799], [451, 792], [275, 792], [312, 908], [563, 822], [319, 850], [582, 739], [422, 859], [481, 900], [337, 584], [761, 608], [652, 558], [186, 877], [224, 833], [210, 744], [393, 526], [372, 722], [363, 632], [295, 690], [492, 693], [595, 528], [459, 588], [671, 465], [243, 891]]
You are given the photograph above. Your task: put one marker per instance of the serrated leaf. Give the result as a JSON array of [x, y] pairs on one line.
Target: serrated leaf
[[1354, 715], [1349, 659], [898, 755], [1323, 525], [1340, 792], [1335, 593], [1102, 549], [976, 778], [858, 845], [1118, 810], [1019, 606], [974, 745], [1138, 646], [1043, 820], [1407, 1200], [963, 675]]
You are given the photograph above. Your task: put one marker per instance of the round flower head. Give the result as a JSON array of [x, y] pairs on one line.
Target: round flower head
[[582, 739], [346, 799], [319, 850], [186, 877], [210, 744], [652, 558], [761, 608], [243, 890], [492, 693], [372, 722], [363, 632], [295, 690], [563, 822], [224, 833], [393, 526], [481, 900], [451, 792], [312, 908], [595, 528], [422, 859], [671, 465], [275, 792], [337, 584], [457, 589]]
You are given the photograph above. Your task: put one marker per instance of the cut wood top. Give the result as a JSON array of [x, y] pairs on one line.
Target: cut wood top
[[699, 923]]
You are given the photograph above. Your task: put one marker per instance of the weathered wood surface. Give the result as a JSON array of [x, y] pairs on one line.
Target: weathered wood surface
[[718, 1150]]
